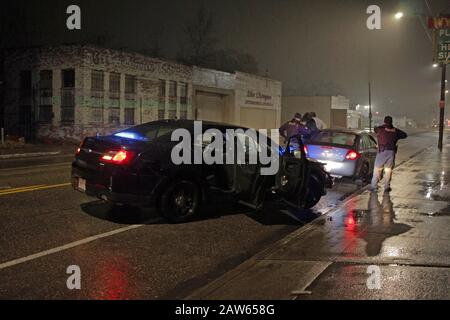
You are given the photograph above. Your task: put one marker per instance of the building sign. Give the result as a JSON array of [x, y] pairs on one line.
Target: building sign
[[441, 33], [442, 45], [258, 98], [439, 23]]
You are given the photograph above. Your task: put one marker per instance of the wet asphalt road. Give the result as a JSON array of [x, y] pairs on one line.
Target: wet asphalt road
[[129, 253]]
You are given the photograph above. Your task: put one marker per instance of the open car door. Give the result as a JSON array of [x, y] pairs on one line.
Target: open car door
[[291, 180]]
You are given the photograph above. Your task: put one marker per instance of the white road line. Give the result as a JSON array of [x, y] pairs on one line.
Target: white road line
[[72, 245]]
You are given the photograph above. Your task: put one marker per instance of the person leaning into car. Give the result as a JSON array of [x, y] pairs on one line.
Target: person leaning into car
[[387, 136], [294, 127]]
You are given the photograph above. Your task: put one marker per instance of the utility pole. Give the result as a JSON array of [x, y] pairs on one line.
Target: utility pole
[[442, 107], [370, 107]]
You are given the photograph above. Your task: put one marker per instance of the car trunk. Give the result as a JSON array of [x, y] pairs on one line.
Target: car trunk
[[326, 152], [94, 147]]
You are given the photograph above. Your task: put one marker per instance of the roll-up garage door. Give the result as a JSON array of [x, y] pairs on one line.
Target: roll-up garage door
[[210, 106]]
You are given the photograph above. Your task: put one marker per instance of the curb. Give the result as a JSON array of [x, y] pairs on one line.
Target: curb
[[28, 155]]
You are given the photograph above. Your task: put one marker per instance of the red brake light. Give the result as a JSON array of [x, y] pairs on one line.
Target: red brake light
[[305, 148], [79, 148], [352, 155], [117, 156]]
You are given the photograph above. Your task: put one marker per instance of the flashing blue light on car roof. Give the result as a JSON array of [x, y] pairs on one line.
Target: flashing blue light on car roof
[[130, 135]]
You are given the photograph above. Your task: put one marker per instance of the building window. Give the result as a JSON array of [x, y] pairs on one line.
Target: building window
[[114, 116], [68, 78], [130, 84], [46, 83], [172, 100], [97, 81], [172, 114], [129, 116], [114, 85], [161, 99], [25, 84], [45, 113], [172, 90], [183, 100], [183, 93], [68, 95], [97, 115], [45, 95]]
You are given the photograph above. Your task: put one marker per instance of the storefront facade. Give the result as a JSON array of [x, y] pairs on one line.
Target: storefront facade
[[68, 92]]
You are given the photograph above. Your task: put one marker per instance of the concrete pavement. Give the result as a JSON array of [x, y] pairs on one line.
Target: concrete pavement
[[374, 246]]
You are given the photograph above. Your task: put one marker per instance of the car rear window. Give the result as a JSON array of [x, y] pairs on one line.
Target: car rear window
[[146, 132], [334, 137]]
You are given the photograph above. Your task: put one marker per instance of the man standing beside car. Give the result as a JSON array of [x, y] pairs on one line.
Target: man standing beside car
[[387, 136]]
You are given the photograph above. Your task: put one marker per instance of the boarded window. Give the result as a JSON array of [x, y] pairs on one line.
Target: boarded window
[[45, 95], [25, 83], [114, 116], [162, 99], [68, 78], [46, 83], [183, 100], [97, 80], [183, 93], [172, 89], [172, 114], [130, 84], [129, 116], [45, 113], [67, 104], [114, 82], [97, 115]]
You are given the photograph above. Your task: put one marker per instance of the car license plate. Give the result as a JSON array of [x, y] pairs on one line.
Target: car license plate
[[81, 184]]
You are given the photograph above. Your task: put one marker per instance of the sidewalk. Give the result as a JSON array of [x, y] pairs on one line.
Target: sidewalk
[[404, 234], [35, 150]]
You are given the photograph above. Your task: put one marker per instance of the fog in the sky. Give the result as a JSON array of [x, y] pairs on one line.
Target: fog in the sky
[[314, 47]]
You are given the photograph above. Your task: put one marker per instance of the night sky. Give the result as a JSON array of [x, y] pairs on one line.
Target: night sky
[[313, 47]]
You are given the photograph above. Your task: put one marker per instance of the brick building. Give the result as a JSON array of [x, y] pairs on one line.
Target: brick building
[[70, 91]]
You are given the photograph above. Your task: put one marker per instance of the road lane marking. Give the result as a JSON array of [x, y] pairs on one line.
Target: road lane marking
[[74, 244], [33, 188], [5, 189]]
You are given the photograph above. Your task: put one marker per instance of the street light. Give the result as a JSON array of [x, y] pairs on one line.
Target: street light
[[398, 15], [435, 65]]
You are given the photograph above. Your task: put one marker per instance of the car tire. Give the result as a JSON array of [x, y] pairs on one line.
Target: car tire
[[180, 201], [315, 191], [365, 174]]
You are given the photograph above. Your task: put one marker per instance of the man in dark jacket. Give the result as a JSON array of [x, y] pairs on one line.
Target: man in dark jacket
[[293, 127], [387, 136], [309, 121]]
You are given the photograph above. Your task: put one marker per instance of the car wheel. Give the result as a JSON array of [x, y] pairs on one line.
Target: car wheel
[[365, 174], [180, 201], [314, 193]]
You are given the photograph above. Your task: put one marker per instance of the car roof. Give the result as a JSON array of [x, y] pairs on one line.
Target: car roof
[[186, 122], [345, 130]]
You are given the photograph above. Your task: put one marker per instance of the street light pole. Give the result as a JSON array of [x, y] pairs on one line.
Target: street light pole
[[442, 107], [370, 107]]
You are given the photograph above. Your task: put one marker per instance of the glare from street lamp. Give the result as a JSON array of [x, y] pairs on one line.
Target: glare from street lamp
[[399, 15], [435, 65]]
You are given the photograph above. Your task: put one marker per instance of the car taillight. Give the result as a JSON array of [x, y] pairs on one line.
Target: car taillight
[[117, 156], [305, 148], [352, 155], [79, 148]]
